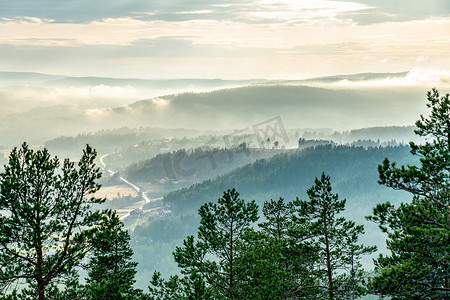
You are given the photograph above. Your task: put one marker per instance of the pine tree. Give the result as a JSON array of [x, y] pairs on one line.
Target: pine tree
[[46, 209], [336, 239], [111, 270], [210, 264], [419, 232]]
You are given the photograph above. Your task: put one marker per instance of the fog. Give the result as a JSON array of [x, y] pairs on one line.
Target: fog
[[36, 107]]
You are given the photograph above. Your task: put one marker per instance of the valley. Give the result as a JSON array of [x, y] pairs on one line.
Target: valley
[[156, 178]]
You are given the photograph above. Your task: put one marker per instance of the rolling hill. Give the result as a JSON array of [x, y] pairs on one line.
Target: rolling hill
[[70, 112]]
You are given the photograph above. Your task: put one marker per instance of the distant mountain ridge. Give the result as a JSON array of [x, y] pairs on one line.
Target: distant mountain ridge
[[28, 76], [154, 83], [361, 76], [34, 77], [158, 82]]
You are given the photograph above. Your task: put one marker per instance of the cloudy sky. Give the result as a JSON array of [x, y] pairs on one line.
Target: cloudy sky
[[229, 39]]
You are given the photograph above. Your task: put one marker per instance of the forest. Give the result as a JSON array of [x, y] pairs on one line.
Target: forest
[[288, 226]]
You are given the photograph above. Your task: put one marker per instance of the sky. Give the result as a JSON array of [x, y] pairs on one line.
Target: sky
[[228, 39]]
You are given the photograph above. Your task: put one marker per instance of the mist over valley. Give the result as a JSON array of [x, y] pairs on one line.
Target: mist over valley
[[268, 149]]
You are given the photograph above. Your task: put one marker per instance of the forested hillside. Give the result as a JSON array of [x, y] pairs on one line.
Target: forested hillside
[[289, 174], [196, 164], [353, 171]]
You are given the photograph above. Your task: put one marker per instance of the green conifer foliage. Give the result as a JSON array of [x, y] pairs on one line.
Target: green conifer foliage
[[419, 231]]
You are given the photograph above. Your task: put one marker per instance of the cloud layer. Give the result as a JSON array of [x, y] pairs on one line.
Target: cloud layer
[[226, 39]]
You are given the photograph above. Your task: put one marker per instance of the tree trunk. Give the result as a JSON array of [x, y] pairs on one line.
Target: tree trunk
[[329, 271], [39, 254], [40, 279], [41, 290], [231, 284]]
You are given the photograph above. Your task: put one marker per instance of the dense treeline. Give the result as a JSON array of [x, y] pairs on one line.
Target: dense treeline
[[303, 250], [403, 134], [287, 174], [194, 165]]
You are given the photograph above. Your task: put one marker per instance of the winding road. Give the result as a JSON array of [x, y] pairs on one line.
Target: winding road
[[135, 187]]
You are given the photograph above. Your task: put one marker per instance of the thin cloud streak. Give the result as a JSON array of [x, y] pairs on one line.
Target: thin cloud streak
[[127, 31], [283, 35]]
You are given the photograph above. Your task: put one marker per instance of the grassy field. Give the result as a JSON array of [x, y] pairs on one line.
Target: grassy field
[[116, 191]]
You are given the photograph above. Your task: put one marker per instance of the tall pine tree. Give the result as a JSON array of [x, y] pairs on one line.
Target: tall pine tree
[[210, 263], [419, 231], [46, 208], [338, 271]]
